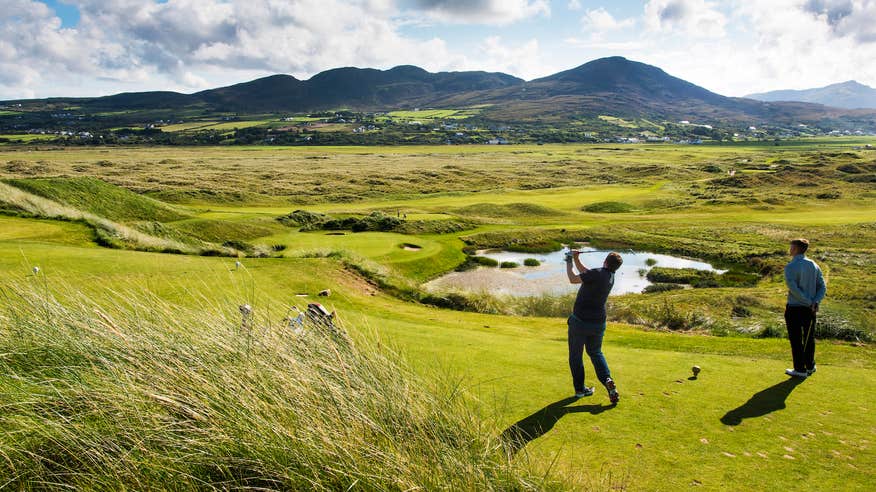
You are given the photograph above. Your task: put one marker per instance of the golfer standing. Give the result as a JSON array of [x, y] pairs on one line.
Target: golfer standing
[[806, 289], [587, 322]]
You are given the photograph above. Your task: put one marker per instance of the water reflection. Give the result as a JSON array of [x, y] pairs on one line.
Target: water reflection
[[550, 276]]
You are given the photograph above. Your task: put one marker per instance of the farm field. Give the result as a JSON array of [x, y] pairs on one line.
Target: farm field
[[212, 125], [415, 213]]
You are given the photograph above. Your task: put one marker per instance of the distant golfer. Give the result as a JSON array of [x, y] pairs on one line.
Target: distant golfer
[[806, 289], [587, 322]]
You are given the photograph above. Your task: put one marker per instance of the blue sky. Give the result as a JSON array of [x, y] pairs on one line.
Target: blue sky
[[68, 13], [734, 47]]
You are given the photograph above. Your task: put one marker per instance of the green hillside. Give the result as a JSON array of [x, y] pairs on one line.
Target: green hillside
[[100, 198]]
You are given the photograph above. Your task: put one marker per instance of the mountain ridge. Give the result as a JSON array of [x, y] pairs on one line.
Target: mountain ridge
[[848, 95], [612, 86]]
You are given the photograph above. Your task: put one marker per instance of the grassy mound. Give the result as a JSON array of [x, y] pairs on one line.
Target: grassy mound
[[99, 198], [140, 237], [701, 278], [220, 231], [524, 240], [375, 221], [608, 208], [661, 288], [97, 396], [511, 210]]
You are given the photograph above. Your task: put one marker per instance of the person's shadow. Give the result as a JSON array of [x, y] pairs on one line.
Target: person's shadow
[[762, 403], [539, 423]]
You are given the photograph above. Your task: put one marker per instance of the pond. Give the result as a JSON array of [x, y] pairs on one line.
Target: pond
[[550, 276]]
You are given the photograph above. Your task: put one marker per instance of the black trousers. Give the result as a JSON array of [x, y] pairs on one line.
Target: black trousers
[[589, 339], [801, 333]]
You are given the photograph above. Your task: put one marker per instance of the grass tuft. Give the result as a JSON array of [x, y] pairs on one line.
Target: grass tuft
[[135, 392]]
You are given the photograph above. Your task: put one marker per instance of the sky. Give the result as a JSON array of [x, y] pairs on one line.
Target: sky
[[733, 47]]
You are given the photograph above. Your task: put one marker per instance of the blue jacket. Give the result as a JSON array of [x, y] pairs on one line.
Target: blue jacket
[[805, 282]]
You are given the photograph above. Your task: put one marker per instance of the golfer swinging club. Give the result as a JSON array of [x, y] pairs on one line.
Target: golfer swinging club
[[587, 322], [806, 290]]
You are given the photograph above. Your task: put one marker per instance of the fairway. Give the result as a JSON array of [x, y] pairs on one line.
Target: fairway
[[740, 425], [515, 368]]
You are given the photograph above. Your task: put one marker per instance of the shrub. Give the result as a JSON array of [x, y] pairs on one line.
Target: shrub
[[376, 221], [833, 325], [772, 330], [702, 278], [485, 261], [740, 312], [661, 288], [302, 218], [509, 264], [531, 262], [472, 302], [679, 275], [669, 316], [737, 279], [651, 262]]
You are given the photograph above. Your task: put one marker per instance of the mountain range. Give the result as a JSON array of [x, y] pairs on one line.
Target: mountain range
[[849, 95], [611, 86]]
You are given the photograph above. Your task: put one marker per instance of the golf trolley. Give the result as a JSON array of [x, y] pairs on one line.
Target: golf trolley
[[316, 318]]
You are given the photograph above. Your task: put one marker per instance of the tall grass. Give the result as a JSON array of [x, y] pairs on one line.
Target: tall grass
[[135, 392], [107, 232]]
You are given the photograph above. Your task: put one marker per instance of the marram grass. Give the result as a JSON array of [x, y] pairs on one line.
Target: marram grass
[[133, 392]]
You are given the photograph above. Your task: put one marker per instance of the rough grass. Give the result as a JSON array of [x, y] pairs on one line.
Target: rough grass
[[220, 231], [701, 278], [608, 208], [101, 395], [511, 210], [106, 232], [524, 240], [99, 198], [683, 204]]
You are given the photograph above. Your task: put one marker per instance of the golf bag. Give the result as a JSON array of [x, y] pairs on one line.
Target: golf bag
[[315, 320]]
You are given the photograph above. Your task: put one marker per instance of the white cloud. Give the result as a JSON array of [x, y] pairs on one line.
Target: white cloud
[[695, 18], [778, 44], [140, 45], [187, 45], [608, 47], [522, 60], [799, 49], [574, 5], [190, 44], [600, 21], [496, 12], [855, 18]]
